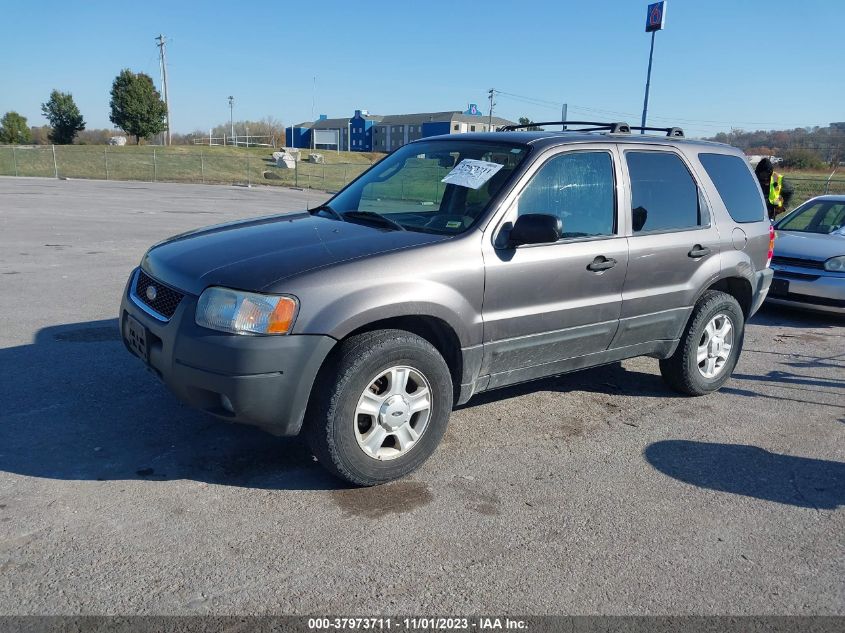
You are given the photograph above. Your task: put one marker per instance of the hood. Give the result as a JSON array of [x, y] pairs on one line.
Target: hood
[[803, 245], [252, 254]]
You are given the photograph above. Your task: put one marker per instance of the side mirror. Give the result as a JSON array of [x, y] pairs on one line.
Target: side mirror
[[536, 228]]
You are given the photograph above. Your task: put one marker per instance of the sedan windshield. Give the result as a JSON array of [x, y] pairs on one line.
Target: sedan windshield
[[821, 216], [435, 186]]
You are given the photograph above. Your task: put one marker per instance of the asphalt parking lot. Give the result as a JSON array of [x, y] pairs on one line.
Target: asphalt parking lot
[[597, 492]]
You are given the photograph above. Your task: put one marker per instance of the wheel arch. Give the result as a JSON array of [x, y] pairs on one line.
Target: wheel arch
[[738, 287], [433, 329]]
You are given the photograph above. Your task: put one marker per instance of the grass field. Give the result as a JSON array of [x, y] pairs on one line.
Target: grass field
[[238, 165], [810, 183], [226, 165]]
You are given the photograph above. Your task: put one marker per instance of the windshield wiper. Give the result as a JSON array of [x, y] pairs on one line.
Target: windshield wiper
[[372, 215], [328, 209]]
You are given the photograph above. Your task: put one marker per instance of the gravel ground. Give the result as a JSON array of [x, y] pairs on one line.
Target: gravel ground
[[600, 492]]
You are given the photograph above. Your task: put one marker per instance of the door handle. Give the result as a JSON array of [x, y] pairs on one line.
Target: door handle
[[698, 251], [601, 263]]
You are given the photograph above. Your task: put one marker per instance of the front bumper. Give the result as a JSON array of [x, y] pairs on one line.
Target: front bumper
[[808, 289], [263, 381]]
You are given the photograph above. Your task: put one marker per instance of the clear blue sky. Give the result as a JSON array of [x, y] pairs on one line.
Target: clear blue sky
[[718, 64]]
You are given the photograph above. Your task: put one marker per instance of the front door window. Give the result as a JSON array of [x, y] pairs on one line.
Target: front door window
[[577, 187]]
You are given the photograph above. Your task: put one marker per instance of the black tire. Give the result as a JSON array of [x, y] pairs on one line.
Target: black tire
[[681, 370], [331, 418]]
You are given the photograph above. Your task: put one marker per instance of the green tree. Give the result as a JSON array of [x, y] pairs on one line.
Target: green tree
[[802, 159], [136, 106], [14, 130], [524, 120], [64, 117]]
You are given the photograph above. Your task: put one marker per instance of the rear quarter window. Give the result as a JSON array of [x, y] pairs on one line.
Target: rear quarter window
[[736, 186]]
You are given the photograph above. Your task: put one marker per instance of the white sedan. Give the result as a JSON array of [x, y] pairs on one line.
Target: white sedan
[[809, 258]]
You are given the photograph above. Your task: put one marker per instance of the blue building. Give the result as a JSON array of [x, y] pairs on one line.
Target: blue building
[[361, 135], [298, 135], [364, 132], [354, 134]]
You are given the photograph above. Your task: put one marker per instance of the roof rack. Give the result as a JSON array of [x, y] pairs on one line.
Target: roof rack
[[618, 127], [594, 126], [670, 131]]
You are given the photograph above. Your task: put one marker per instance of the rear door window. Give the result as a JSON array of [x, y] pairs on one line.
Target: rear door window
[[736, 186], [664, 197]]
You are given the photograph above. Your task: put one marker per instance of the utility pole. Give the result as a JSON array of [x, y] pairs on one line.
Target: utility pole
[[231, 116], [162, 42], [491, 93], [563, 108]]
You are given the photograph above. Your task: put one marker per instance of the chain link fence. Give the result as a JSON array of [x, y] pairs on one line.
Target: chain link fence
[[806, 188], [174, 164], [232, 166]]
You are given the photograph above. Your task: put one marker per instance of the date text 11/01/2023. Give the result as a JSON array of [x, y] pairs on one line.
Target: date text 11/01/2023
[[417, 623]]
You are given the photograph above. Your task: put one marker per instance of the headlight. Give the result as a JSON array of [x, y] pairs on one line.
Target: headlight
[[245, 312], [835, 264]]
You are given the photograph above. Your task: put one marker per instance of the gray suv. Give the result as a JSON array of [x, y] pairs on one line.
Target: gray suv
[[456, 265]]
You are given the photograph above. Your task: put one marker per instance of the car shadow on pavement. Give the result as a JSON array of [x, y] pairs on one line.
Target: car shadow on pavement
[[795, 386], [612, 379], [785, 316], [752, 472], [78, 406], [790, 379]]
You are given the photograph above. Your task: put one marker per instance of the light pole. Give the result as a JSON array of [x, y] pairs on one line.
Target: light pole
[[654, 22], [231, 115], [162, 41]]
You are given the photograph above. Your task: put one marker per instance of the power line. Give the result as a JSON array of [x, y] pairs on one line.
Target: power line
[[701, 123], [551, 104]]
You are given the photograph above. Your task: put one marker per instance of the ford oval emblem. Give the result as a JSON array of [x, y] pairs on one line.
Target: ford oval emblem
[[151, 293]]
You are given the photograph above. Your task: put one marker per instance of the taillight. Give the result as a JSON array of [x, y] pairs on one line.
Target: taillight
[[771, 245]]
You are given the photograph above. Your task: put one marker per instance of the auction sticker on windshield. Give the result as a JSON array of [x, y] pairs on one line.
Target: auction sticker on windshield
[[472, 173]]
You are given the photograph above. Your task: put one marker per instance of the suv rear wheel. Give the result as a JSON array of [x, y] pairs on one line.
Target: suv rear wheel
[[380, 407], [709, 348]]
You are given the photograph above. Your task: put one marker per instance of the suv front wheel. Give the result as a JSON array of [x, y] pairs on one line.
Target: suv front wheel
[[380, 407], [709, 348]]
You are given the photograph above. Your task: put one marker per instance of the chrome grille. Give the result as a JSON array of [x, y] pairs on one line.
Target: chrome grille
[[798, 262]]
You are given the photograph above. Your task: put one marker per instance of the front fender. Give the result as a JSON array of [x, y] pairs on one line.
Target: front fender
[[348, 311]]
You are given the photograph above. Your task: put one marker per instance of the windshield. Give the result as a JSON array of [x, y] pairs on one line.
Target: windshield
[[437, 186], [823, 216]]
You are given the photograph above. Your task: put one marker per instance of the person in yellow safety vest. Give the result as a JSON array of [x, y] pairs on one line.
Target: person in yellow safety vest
[[776, 190]]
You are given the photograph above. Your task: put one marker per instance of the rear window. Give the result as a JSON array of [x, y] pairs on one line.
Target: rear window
[[736, 186]]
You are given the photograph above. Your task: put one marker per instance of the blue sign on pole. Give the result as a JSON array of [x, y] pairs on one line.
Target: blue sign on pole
[[655, 17]]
